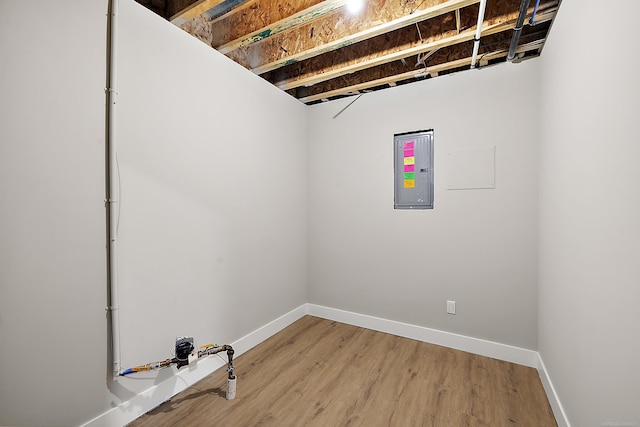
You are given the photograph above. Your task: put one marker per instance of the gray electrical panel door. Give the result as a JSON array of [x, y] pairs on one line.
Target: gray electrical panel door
[[413, 170]]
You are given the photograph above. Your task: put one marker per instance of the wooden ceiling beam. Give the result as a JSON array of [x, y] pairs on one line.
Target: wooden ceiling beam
[[226, 9], [491, 43], [289, 22], [279, 51], [189, 9], [427, 46], [390, 80]]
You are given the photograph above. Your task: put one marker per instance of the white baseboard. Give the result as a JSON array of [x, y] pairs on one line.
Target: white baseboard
[[482, 347], [159, 393], [154, 396], [554, 401], [492, 349]]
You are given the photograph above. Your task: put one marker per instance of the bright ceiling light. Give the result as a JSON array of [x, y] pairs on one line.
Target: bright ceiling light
[[354, 6]]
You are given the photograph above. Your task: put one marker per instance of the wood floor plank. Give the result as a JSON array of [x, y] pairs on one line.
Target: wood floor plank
[[317, 372]]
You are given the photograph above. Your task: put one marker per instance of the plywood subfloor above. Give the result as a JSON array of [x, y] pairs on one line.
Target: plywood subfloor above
[[318, 50]]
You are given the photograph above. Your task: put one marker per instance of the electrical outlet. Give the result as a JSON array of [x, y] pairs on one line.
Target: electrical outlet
[[451, 307]]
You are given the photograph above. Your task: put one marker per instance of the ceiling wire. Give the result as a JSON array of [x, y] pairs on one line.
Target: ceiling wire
[[409, 3], [422, 60], [348, 105], [406, 3], [416, 8], [419, 33]]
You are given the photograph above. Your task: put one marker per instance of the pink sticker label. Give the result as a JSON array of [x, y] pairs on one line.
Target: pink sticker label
[[408, 145], [409, 168], [408, 153]]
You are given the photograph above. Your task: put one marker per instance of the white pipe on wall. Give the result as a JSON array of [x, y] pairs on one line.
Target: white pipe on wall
[[476, 44], [112, 180]]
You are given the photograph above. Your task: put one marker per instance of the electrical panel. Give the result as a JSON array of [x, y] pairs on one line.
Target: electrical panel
[[413, 170]]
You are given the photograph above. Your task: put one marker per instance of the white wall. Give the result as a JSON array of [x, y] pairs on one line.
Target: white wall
[[213, 191], [590, 213], [478, 247], [52, 220], [213, 203], [227, 244]]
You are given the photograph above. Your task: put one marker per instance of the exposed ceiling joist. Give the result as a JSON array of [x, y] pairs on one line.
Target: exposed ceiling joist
[[288, 23], [279, 51], [412, 74], [316, 51], [427, 45], [397, 71]]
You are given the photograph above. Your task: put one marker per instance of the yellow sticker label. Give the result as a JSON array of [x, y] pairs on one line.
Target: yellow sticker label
[[409, 160], [409, 183]]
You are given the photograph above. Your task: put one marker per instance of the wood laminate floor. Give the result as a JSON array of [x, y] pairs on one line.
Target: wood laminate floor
[[317, 372]]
